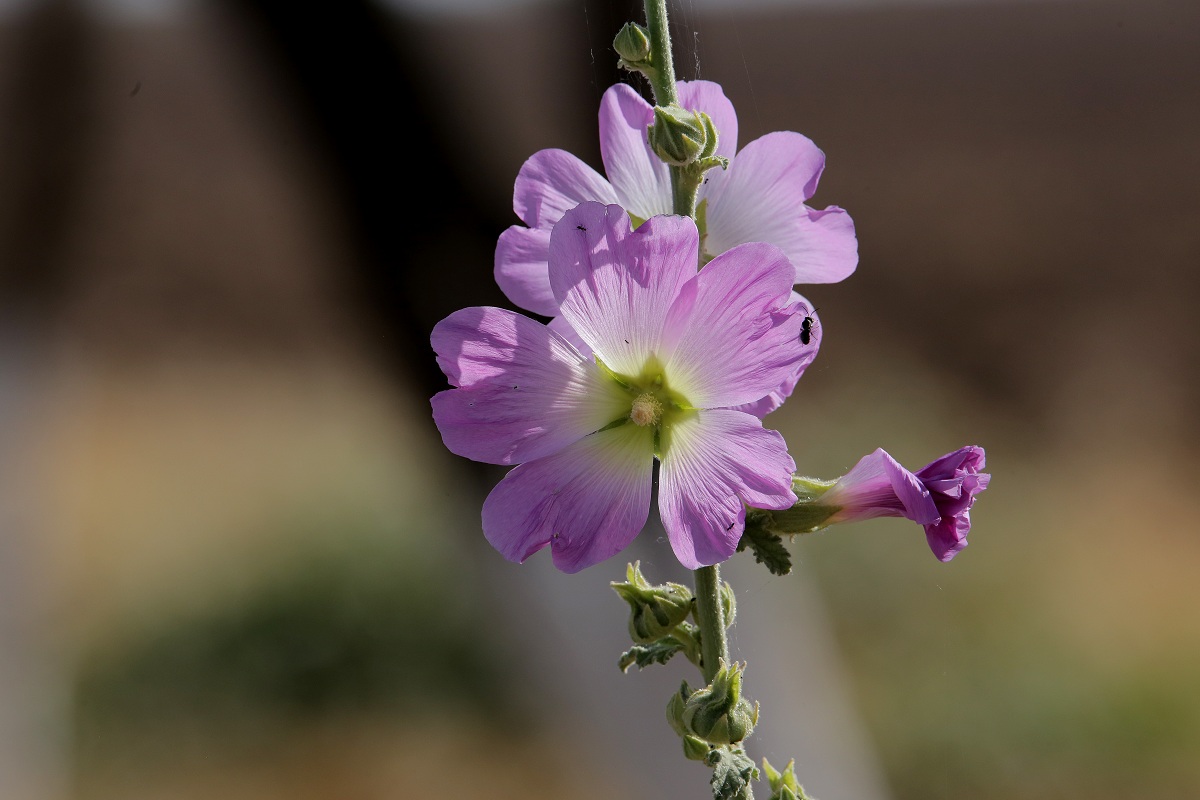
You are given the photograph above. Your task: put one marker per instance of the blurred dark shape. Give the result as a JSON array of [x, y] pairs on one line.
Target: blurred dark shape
[[45, 147]]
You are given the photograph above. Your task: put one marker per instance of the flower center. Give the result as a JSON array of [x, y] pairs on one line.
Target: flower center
[[647, 410]]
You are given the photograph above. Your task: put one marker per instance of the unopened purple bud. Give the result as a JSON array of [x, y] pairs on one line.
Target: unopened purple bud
[[938, 496]]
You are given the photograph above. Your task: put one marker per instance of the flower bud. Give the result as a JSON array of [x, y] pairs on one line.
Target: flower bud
[[655, 611], [632, 44], [681, 137], [717, 713]]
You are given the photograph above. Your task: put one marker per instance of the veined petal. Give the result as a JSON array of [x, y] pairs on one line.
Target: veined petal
[[804, 309], [614, 286], [642, 181], [735, 329], [760, 198], [714, 463], [708, 97], [564, 329], [521, 271], [551, 183], [587, 502], [524, 391]]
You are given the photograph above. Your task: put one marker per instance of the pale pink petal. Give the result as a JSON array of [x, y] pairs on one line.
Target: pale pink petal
[[614, 286], [760, 198], [587, 502], [805, 310], [524, 392], [641, 179], [736, 330], [564, 329], [521, 269], [714, 463], [551, 183], [708, 97]]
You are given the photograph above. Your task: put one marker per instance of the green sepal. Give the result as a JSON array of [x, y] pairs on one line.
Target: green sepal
[[733, 772], [728, 604], [768, 547], [695, 749]]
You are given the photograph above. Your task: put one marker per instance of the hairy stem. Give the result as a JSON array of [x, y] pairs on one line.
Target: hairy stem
[[710, 616], [662, 79]]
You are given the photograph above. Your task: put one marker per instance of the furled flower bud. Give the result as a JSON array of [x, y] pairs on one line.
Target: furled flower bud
[[695, 749], [938, 497], [632, 44], [655, 611], [717, 713], [681, 137]]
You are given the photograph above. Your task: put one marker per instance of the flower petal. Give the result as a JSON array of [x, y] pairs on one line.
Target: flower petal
[[641, 179], [804, 309], [735, 329], [551, 183], [614, 286], [524, 391], [521, 272], [761, 198], [714, 463], [587, 502], [948, 536], [708, 97]]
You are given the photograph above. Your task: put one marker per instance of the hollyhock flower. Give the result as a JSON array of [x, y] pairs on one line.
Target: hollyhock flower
[[938, 496], [759, 198], [673, 351]]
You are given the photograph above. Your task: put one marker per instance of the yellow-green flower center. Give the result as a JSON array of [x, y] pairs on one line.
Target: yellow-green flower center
[[647, 410], [652, 404]]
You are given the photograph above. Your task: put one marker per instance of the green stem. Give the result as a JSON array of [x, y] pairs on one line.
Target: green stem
[[710, 616], [662, 79]]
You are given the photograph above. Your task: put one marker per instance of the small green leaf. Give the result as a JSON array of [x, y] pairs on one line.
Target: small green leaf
[[643, 655], [732, 773], [768, 547]]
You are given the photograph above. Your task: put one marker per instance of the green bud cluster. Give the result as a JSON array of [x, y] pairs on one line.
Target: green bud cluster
[[655, 611], [718, 714]]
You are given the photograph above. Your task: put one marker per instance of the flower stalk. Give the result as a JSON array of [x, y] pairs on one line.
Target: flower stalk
[[710, 617]]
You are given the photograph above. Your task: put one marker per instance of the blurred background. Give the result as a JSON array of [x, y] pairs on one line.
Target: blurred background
[[236, 562]]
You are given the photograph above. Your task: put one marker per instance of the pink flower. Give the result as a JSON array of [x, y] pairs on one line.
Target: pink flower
[[759, 198], [673, 351], [938, 496]]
